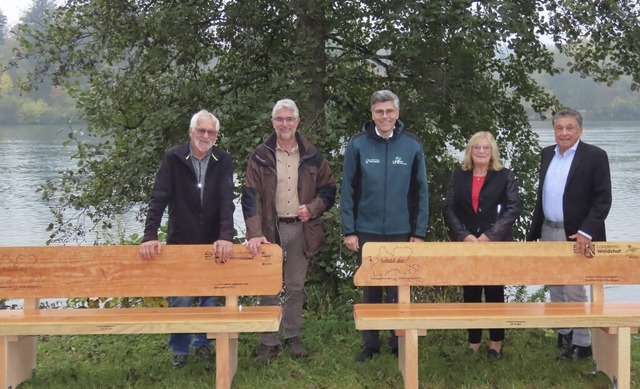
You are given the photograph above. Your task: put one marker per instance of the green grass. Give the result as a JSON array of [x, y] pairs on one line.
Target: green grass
[[143, 361]]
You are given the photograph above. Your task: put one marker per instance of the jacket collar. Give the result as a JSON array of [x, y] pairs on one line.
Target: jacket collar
[[370, 129], [183, 151], [306, 148]]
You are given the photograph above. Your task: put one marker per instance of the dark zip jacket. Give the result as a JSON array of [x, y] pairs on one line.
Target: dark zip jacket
[[176, 187], [384, 184], [316, 190]]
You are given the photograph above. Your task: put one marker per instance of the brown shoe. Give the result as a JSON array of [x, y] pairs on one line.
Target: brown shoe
[[296, 348], [265, 354]]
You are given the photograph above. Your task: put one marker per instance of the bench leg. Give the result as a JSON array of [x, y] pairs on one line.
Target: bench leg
[[612, 355], [17, 360], [4, 362], [408, 358], [226, 359]]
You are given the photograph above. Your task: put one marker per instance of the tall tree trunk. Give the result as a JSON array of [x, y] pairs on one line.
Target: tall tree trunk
[[313, 61]]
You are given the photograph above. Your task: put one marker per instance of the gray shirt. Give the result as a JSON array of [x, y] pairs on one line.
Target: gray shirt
[[200, 167]]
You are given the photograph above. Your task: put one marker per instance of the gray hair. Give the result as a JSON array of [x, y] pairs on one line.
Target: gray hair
[[567, 112], [288, 104], [383, 96], [205, 113]]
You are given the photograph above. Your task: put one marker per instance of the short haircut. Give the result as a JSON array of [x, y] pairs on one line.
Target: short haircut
[[567, 112], [287, 104], [194, 119], [383, 96]]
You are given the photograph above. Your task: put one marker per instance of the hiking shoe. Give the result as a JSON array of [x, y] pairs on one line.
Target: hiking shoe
[[296, 348], [576, 352], [204, 354], [366, 354], [265, 354], [179, 360], [565, 341]]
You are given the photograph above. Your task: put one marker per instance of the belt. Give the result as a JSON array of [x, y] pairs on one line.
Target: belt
[[558, 225], [289, 220]]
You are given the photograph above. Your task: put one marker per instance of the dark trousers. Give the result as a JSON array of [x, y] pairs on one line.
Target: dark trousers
[[492, 294], [373, 294]]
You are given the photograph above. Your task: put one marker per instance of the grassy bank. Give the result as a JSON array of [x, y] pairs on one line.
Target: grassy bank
[[143, 361]]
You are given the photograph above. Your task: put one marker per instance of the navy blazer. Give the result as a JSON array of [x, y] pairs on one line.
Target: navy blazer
[[498, 206], [587, 195]]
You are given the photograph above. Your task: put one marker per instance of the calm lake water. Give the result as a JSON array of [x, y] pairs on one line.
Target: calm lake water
[[29, 155]]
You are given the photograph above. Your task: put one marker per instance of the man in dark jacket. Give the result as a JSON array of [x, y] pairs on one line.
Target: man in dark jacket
[[195, 181], [574, 199], [288, 186], [384, 194]]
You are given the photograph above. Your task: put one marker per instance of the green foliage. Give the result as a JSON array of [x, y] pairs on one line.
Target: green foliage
[[520, 294], [35, 109], [36, 103], [3, 26], [616, 101], [36, 18], [458, 67]]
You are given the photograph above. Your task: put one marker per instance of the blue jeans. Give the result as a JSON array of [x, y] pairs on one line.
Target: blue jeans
[[180, 343]]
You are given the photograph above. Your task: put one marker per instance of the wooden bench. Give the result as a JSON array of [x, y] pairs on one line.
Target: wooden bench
[[33, 273], [503, 263]]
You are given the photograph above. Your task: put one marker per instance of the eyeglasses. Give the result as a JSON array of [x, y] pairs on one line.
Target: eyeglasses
[[382, 112], [202, 131], [481, 147], [288, 119]]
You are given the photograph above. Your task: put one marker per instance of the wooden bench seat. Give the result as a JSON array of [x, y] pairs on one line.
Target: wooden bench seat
[[33, 273], [502, 263], [495, 315]]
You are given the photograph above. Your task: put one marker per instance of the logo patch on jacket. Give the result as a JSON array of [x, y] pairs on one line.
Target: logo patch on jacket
[[371, 160], [399, 161]]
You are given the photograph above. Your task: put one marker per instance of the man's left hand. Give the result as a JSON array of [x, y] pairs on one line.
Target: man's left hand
[[223, 248], [303, 213], [583, 245]]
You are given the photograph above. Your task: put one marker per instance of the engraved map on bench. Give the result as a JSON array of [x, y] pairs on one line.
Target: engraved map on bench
[[118, 271], [457, 263], [399, 260]]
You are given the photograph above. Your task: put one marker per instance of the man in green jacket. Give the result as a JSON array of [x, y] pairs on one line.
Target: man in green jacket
[[384, 195]]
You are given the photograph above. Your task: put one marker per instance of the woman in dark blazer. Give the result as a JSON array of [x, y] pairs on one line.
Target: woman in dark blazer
[[482, 203]]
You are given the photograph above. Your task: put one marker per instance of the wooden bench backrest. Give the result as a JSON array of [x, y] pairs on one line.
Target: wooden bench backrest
[[497, 263], [118, 271]]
